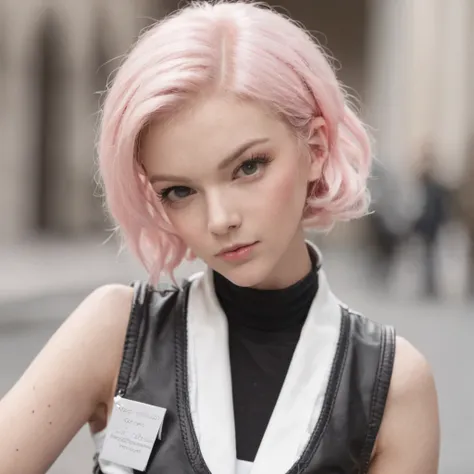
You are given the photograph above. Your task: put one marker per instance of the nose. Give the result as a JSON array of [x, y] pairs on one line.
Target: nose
[[222, 216]]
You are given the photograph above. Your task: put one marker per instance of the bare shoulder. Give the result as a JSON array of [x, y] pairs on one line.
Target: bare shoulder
[[411, 372], [62, 388], [408, 440], [105, 309], [97, 328], [104, 316]]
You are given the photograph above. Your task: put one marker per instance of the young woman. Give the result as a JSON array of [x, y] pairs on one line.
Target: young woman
[[224, 134]]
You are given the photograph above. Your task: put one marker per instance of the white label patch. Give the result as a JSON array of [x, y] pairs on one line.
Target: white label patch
[[131, 433]]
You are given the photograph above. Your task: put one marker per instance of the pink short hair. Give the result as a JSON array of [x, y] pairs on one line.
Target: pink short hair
[[254, 53]]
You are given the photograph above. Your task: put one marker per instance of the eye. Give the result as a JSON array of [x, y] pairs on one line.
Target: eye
[[252, 166], [174, 193]]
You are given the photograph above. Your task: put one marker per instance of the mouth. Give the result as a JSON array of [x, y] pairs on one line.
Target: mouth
[[236, 251]]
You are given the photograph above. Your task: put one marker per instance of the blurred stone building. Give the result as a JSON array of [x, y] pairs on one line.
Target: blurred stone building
[[408, 62]]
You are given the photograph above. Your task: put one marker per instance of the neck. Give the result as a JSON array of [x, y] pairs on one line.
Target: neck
[[294, 265], [268, 310]]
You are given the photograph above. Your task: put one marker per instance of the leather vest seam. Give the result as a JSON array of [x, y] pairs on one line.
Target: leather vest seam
[[329, 399], [379, 395], [130, 347], [132, 336], [190, 441]]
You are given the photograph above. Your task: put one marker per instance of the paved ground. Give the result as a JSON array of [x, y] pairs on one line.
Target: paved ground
[[442, 330]]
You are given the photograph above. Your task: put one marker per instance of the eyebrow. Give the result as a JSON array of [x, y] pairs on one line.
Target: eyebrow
[[222, 165]]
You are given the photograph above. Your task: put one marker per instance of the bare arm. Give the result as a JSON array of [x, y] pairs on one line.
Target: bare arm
[[71, 377], [408, 440]]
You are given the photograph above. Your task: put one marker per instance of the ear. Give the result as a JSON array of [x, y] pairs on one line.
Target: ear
[[318, 145]]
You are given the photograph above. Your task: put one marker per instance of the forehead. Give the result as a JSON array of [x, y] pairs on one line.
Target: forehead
[[208, 131]]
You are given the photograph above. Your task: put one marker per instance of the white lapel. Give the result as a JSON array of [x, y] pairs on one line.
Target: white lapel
[[301, 398], [210, 387], [209, 377]]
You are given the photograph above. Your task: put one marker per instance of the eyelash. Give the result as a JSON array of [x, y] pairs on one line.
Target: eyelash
[[260, 159]]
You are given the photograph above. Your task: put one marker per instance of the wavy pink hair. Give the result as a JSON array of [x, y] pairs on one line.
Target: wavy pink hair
[[250, 51]]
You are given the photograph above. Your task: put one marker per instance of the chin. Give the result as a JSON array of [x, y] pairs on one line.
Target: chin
[[248, 275]]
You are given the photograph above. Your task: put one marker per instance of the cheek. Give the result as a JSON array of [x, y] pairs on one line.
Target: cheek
[[185, 223], [285, 193]]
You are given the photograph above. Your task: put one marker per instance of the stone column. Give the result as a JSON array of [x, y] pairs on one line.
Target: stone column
[[470, 50], [451, 107], [387, 105], [423, 75], [17, 179], [80, 154]]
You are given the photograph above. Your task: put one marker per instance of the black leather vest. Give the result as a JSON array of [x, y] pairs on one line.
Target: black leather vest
[[154, 371]]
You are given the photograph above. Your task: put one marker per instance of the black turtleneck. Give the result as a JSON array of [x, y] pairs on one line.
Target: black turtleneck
[[264, 328]]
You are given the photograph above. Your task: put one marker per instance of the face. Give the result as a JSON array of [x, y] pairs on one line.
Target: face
[[233, 181]]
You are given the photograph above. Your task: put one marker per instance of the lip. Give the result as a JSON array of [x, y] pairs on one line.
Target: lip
[[237, 251]]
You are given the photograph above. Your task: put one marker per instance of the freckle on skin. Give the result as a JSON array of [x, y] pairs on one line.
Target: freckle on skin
[[32, 411]]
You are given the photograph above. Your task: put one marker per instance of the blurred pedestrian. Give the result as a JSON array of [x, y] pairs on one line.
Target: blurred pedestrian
[[432, 217], [464, 204], [394, 210]]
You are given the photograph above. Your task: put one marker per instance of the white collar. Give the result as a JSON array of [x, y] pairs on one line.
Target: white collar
[[210, 387]]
